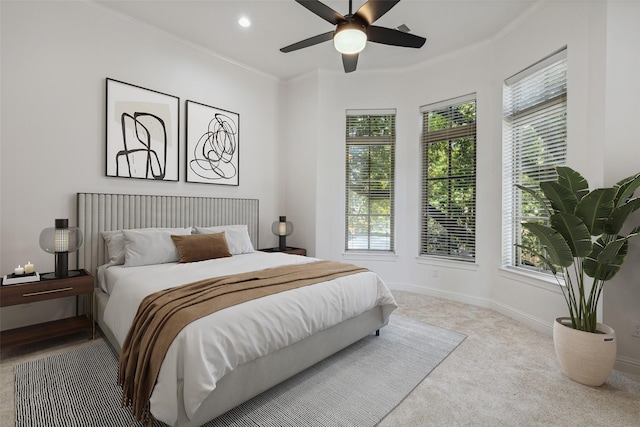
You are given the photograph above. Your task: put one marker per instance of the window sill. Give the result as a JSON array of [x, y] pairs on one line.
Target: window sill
[[541, 281], [447, 263], [370, 256]]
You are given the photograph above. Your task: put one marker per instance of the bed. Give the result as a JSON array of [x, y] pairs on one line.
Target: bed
[[258, 351]]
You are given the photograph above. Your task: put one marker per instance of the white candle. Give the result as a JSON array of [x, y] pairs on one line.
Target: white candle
[[28, 268], [18, 271]]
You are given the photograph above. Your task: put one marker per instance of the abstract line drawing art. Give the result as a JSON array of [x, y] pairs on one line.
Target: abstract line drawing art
[[142, 132], [213, 138]]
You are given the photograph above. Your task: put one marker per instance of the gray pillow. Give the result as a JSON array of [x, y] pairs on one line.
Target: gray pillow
[[237, 237], [151, 246], [115, 246]]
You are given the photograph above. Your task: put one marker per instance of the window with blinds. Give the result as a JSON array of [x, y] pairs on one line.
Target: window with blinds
[[534, 143], [370, 175], [448, 217]]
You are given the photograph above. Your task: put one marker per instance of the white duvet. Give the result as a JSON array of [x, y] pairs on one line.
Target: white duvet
[[207, 349]]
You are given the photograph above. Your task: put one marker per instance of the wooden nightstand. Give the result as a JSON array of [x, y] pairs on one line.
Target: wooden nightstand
[[289, 250], [49, 289]]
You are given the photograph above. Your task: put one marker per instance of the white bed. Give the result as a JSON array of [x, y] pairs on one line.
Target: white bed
[[210, 348], [303, 326]]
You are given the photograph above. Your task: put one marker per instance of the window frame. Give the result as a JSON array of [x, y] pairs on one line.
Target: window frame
[[466, 237], [370, 142], [545, 83]]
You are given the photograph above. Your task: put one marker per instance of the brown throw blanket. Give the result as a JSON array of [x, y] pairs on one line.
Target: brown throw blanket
[[162, 315]]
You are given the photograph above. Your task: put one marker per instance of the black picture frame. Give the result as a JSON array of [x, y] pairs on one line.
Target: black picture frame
[[142, 132], [213, 145]]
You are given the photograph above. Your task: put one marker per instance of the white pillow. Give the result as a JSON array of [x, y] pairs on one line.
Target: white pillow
[[115, 243], [151, 246], [115, 246], [237, 237]]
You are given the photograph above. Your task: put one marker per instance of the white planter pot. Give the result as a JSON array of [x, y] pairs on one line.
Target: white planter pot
[[584, 357]]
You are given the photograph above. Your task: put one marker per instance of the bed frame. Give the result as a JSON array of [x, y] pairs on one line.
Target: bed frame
[[99, 212]]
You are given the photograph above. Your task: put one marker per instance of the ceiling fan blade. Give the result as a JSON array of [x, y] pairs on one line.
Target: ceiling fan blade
[[308, 42], [322, 10], [350, 62], [372, 10], [394, 37]]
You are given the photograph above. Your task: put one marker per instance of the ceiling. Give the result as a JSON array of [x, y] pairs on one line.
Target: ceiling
[[448, 25]]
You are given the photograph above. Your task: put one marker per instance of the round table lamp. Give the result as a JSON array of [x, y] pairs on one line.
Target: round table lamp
[[60, 241], [282, 228]]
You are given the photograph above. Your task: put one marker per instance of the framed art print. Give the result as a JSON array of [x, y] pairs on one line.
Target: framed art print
[[213, 138], [142, 132]]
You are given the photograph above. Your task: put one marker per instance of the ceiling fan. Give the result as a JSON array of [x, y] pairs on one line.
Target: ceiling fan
[[354, 30]]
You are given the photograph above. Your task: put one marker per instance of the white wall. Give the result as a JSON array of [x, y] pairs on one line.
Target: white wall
[[621, 159], [55, 58], [299, 159], [586, 29]]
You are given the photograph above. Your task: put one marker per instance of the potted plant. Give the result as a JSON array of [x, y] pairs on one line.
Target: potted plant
[[582, 245]]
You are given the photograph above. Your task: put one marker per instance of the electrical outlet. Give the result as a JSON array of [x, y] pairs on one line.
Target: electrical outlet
[[435, 272], [635, 328]]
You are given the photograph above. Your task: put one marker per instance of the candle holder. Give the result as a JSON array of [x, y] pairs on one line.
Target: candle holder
[[14, 279], [60, 241]]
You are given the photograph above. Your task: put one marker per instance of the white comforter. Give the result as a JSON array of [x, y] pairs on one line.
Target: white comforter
[[207, 349]]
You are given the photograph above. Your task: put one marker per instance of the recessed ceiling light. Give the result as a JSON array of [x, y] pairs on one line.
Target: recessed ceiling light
[[244, 21]]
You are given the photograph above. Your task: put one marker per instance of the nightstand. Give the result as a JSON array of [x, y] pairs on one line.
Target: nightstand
[[44, 290], [289, 250]]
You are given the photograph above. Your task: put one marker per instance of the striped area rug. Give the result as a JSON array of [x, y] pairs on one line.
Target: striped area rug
[[358, 386]]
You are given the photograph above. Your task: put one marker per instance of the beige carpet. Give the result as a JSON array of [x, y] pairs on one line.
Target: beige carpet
[[503, 374]]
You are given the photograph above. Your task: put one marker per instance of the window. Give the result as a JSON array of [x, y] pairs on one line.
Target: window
[[370, 159], [448, 220], [534, 143]]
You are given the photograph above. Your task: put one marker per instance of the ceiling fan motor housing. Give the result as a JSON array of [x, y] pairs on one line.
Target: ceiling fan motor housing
[[350, 36]]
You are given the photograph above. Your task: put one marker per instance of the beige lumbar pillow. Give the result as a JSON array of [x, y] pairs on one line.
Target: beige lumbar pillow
[[200, 247]]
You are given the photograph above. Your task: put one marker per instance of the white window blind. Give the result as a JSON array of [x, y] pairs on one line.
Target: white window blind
[[534, 143], [448, 217], [370, 175]]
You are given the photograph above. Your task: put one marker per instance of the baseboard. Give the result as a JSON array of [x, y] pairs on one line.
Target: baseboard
[[623, 364], [627, 364]]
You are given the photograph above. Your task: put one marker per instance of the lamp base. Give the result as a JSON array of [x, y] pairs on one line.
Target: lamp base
[[49, 276]]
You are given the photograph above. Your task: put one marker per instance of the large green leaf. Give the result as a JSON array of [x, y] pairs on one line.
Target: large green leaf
[[574, 231], [562, 198], [625, 188], [612, 256], [611, 252], [558, 251], [541, 200], [595, 208], [572, 180], [619, 216]]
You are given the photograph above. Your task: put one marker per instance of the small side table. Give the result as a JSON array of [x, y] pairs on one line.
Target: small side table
[[289, 250], [44, 290]]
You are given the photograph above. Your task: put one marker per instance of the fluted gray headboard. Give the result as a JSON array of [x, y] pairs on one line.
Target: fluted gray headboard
[[99, 212]]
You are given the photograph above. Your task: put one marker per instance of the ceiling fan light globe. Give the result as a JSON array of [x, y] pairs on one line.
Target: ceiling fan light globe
[[350, 40]]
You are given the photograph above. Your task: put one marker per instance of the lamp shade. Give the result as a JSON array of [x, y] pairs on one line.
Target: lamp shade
[[282, 227], [60, 240], [350, 38]]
